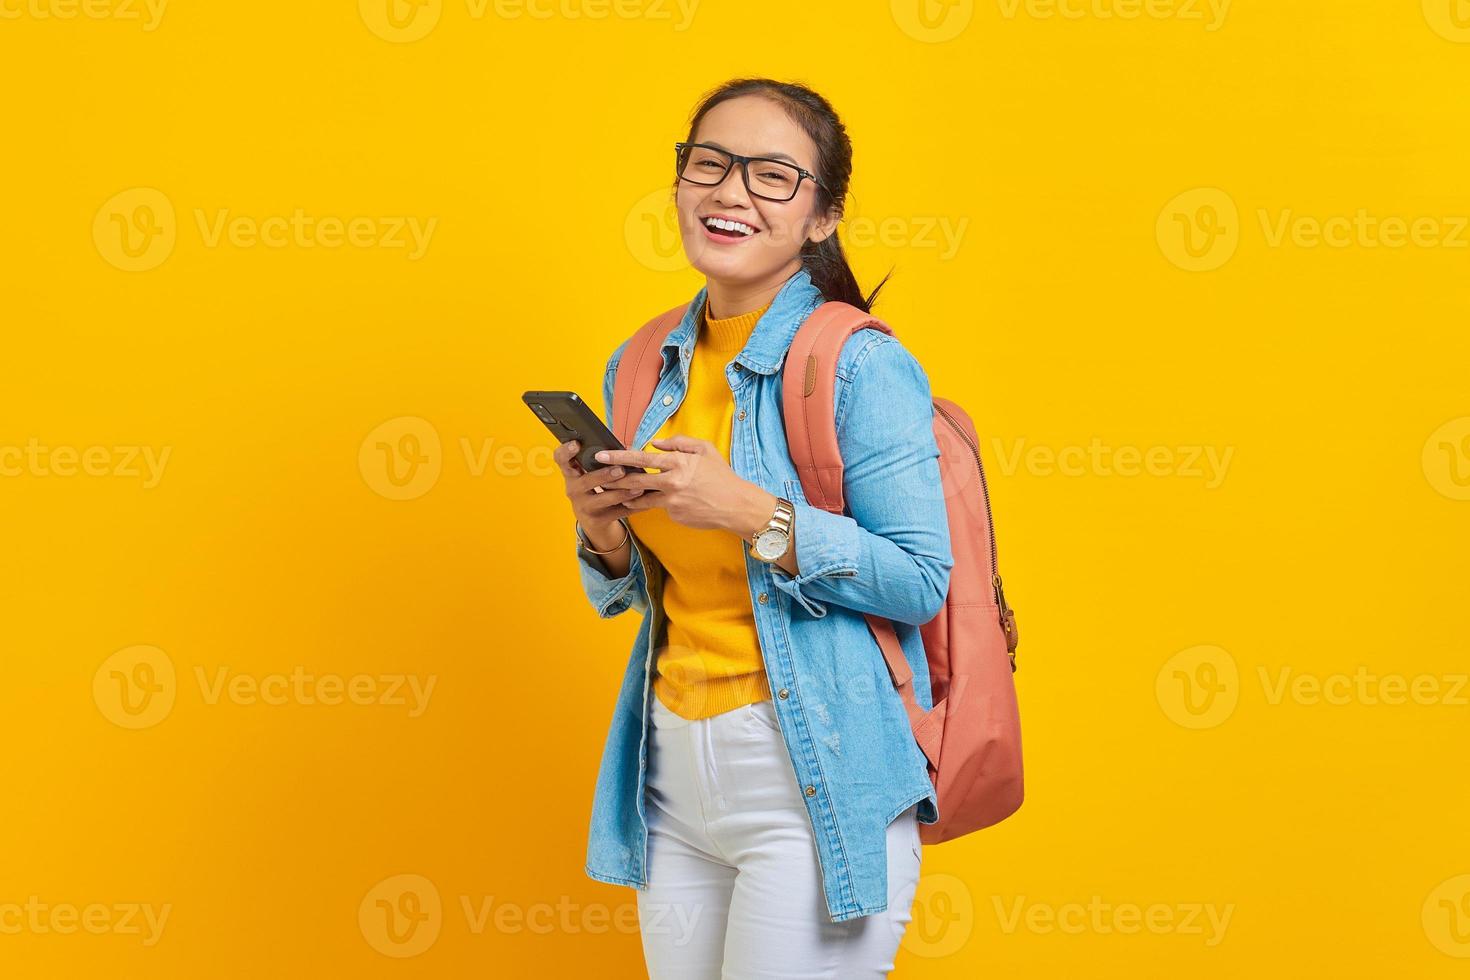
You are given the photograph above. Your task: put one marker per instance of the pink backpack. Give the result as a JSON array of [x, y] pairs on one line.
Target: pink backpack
[[972, 735]]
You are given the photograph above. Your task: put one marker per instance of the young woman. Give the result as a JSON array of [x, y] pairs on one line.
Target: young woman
[[760, 785]]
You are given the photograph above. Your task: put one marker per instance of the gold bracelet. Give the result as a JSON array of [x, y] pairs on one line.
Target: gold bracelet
[[588, 544]]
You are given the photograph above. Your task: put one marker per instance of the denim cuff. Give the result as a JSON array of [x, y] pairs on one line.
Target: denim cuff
[[611, 596], [826, 547]]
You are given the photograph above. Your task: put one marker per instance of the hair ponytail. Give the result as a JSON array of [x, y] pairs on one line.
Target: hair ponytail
[[824, 261]]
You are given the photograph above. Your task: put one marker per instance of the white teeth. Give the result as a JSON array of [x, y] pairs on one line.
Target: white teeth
[[744, 229]]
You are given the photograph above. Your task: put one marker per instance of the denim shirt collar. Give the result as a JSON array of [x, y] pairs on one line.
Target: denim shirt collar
[[773, 333]]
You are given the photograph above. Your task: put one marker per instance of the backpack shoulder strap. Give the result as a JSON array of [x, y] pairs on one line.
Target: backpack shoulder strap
[[808, 403], [808, 398], [638, 371]]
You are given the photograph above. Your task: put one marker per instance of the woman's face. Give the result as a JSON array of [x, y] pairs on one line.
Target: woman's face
[[750, 126]]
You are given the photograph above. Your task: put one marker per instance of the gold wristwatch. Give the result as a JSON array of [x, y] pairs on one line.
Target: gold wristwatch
[[771, 540]]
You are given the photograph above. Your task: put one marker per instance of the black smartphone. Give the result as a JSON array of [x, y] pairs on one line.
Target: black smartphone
[[569, 417]]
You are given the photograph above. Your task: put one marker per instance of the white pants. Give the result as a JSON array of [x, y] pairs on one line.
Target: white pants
[[734, 887]]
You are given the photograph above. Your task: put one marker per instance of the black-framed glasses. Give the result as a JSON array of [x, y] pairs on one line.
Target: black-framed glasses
[[774, 180]]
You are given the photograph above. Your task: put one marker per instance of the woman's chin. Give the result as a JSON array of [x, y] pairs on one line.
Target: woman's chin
[[723, 267]]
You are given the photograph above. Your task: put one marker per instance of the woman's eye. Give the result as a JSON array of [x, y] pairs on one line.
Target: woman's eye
[[775, 177]]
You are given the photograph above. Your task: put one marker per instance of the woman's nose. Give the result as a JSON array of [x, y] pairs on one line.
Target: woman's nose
[[731, 190]]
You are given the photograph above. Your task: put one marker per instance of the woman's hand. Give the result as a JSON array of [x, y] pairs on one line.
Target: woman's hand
[[695, 485], [596, 510]]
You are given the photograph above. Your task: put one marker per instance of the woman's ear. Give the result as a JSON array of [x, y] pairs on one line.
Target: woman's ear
[[826, 226]]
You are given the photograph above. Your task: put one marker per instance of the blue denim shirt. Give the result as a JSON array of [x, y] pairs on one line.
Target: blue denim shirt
[[844, 725]]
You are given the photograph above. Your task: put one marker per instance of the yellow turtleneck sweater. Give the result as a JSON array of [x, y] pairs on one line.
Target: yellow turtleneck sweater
[[712, 660]]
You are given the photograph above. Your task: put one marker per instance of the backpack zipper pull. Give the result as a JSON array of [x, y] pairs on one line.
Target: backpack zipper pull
[[1007, 619]]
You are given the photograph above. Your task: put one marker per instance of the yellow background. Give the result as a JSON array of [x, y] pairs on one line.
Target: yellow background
[[1071, 310]]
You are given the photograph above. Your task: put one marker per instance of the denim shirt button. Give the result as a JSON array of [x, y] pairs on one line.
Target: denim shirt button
[[741, 416], [762, 597], [668, 399], [783, 694], [811, 791]]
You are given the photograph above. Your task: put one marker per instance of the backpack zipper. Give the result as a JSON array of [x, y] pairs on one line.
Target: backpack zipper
[[1000, 595]]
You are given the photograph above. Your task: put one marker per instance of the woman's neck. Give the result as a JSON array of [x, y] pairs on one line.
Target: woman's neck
[[727, 299]]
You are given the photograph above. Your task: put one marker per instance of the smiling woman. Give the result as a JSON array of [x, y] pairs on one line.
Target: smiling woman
[[760, 780]]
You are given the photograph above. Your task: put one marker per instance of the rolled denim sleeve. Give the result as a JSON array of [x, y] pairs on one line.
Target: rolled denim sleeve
[[611, 596], [889, 554]]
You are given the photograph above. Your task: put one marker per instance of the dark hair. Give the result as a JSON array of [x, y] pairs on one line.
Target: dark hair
[[823, 260]]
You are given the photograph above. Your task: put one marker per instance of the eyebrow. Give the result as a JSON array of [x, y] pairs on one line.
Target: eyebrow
[[773, 155]]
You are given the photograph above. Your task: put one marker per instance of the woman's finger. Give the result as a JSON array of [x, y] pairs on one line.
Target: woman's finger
[[600, 477], [632, 458], [607, 506], [565, 456]]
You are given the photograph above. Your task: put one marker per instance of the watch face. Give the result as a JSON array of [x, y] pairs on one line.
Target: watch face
[[770, 545]]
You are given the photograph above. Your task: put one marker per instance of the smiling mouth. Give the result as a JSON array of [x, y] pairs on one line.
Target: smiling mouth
[[724, 228]]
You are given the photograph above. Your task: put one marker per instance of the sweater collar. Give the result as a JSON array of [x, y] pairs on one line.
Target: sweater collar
[[773, 333], [729, 334]]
